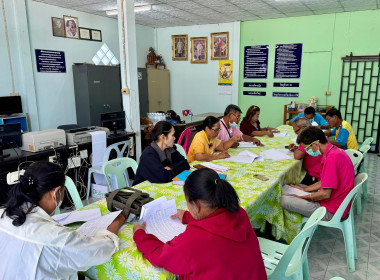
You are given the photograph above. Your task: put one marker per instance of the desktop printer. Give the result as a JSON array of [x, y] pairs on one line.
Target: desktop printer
[[82, 135], [37, 141]]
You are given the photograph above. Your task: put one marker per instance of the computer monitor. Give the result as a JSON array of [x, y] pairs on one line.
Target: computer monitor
[[10, 137], [113, 121], [10, 105]]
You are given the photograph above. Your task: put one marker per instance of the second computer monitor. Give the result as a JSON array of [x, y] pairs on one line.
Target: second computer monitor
[[114, 121]]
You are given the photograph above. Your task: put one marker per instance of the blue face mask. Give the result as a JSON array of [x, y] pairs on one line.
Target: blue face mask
[[313, 154], [233, 124]]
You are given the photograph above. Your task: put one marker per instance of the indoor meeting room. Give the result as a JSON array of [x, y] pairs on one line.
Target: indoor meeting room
[[190, 139]]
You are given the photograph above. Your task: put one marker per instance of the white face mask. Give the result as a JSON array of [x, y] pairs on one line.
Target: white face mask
[[233, 124], [57, 205]]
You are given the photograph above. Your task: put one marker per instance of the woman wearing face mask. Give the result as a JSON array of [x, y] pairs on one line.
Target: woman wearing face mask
[[250, 124], [160, 162], [219, 241], [37, 247]]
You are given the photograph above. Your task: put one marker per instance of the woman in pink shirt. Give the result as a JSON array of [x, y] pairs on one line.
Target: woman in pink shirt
[[250, 124]]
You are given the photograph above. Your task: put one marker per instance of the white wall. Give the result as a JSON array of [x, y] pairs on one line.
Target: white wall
[[55, 91], [195, 86], [145, 38]]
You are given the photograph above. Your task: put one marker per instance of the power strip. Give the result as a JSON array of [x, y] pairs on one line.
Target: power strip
[[73, 162]]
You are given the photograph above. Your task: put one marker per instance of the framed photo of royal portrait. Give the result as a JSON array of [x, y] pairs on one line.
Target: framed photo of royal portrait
[[58, 27], [219, 46], [198, 49], [96, 35], [179, 47], [71, 27], [84, 33]]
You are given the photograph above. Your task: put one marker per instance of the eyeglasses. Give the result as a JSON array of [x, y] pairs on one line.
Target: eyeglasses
[[238, 118], [308, 146], [216, 130]]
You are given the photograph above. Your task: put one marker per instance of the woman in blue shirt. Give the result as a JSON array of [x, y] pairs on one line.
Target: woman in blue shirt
[[160, 162]]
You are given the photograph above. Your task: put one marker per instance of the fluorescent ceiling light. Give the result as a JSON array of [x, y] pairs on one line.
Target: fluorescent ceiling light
[[137, 9]]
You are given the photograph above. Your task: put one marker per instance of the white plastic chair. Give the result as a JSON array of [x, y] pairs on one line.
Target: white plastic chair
[[356, 158], [118, 168], [283, 261], [181, 150], [125, 148], [347, 225], [367, 141]]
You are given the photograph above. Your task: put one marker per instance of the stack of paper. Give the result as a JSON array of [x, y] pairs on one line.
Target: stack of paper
[[157, 214], [247, 145], [92, 227], [77, 216], [181, 177], [215, 167], [281, 134], [245, 157], [289, 190], [273, 154]]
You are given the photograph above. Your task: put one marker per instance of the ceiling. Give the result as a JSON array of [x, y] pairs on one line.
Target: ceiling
[[167, 13]]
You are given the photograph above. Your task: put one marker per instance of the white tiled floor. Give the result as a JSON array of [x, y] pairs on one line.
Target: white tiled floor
[[327, 255]]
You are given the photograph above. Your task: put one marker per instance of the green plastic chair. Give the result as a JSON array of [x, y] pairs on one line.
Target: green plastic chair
[[117, 167], [73, 191], [356, 158], [347, 225], [290, 261], [364, 149], [181, 150], [337, 278], [367, 141]]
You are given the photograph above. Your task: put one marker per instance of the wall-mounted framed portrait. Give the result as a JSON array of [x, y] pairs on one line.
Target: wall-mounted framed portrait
[[71, 27], [198, 49], [179, 47], [58, 27], [219, 46]]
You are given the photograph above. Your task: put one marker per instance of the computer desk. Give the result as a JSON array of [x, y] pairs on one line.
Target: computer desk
[[18, 156]]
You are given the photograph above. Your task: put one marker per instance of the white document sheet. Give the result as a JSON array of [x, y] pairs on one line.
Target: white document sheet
[[289, 190], [247, 145], [78, 216], [281, 134], [92, 227], [285, 151], [158, 221], [99, 145], [245, 157], [273, 154], [215, 167]]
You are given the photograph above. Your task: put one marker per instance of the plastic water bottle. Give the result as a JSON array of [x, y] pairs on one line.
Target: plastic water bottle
[[191, 115]]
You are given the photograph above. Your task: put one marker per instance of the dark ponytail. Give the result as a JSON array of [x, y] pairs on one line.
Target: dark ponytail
[[39, 178], [205, 185]]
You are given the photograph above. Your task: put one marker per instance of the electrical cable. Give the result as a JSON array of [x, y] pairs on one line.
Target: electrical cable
[[8, 46]]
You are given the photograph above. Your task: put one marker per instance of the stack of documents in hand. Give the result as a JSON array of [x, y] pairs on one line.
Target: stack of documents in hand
[[157, 214], [289, 190], [77, 216], [245, 157]]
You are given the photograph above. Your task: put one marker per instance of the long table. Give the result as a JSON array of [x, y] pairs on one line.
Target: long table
[[259, 198]]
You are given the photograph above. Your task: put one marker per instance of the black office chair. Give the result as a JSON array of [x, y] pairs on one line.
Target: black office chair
[[68, 126]]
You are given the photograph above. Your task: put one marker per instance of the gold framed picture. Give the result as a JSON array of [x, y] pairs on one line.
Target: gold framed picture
[[198, 49], [58, 27], [71, 27], [219, 46], [179, 47]]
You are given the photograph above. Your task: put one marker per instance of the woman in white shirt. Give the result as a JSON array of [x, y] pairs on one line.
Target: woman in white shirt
[[35, 246]]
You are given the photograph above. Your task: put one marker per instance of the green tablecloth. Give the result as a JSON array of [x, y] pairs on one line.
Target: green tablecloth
[[259, 198]]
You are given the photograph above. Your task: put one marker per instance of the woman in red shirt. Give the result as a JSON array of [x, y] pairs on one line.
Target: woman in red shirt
[[218, 243], [250, 124]]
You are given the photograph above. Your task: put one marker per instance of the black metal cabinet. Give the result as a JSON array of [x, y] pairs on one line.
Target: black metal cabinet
[[97, 90]]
